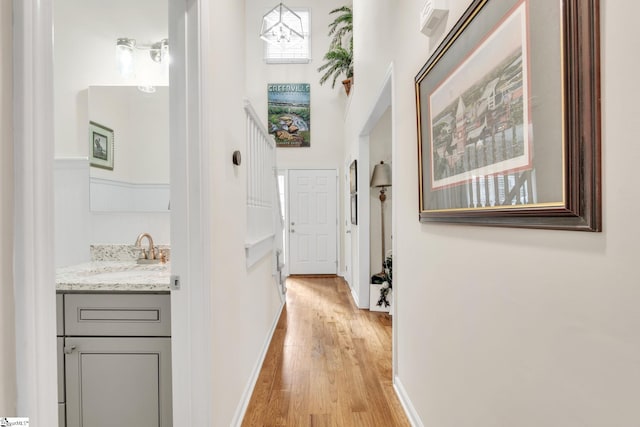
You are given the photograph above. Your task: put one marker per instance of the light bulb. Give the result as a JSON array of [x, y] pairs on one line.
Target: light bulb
[[124, 53]]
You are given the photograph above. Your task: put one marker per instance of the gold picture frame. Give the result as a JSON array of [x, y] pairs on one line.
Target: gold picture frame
[[508, 116]]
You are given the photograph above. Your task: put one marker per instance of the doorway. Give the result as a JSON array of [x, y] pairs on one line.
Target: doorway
[[382, 111], [312, 221], [34, 240]]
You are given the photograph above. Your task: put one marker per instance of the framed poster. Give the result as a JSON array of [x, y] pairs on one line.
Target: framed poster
[[353, 177], [508, 116], [101, 148], [288, 110]]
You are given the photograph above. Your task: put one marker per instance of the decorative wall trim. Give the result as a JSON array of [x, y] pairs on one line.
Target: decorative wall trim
[[35, 306], [248, 391], [191, 328], [258, 249], [108, 195], [384, 99]]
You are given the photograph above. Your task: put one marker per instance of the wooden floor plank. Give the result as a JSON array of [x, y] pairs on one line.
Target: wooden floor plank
[[328, 364]]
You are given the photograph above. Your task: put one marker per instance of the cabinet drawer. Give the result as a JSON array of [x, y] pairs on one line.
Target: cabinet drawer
[[117, 315]]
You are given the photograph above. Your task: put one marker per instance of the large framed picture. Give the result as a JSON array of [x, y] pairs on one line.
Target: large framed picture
[[101, 148], [508, 116], [289, 112]]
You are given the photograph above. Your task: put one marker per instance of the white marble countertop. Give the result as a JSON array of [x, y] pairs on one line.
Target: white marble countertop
[[114, 276]]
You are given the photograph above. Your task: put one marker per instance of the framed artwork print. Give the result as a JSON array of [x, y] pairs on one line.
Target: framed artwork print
[[508, 117], [289, 113], [101, 148], [354, 209], [353, 177]]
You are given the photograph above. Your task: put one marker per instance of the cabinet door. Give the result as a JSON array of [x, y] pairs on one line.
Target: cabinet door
[[61, 416], [60, 370], [118, 381]]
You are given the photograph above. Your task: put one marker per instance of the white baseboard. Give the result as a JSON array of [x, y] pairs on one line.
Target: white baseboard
[[248, 391], [354, 295], [409, 409]]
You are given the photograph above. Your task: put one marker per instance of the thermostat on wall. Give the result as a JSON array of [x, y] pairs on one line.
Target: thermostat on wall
[[433, 12]]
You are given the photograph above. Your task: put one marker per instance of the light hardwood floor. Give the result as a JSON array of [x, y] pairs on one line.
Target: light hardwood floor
[[328, 364]]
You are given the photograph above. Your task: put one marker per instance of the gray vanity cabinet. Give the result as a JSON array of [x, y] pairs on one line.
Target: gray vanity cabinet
[[117, 360], [60, 357], [118, 381]]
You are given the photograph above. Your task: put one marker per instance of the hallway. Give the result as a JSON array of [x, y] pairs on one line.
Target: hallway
[[328, 364]]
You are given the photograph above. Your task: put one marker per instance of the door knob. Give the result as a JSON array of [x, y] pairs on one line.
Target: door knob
[[293, 223], [293, 231], [69, 349]]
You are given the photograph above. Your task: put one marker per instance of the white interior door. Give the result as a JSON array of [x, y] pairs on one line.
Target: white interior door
[[348, 262], [313, 222]]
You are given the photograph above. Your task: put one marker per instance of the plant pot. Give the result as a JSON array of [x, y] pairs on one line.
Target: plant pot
[[374, 296], [347, 85]]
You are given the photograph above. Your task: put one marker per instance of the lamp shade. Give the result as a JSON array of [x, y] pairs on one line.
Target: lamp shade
[[381, 175]]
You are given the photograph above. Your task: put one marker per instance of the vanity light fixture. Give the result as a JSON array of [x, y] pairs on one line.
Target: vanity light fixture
[[124, 53], [281, 24], [158, 52]]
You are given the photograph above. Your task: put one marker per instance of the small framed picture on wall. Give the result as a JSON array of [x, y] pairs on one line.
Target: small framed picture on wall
[[101, 148], [353, 177], [354, 209]]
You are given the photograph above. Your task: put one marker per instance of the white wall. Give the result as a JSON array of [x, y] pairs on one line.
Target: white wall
[[84, 55], [327, 104], [7, 321], [373, 54], [246, 303], [124, 227], [72, 222], [536, 328]]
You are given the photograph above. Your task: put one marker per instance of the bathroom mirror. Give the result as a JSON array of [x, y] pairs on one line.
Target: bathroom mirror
[[139, 119]]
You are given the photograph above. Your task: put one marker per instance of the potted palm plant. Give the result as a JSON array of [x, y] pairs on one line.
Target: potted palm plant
[[342, 25], [339, 58]]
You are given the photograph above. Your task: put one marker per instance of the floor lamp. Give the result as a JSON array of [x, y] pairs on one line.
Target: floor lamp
[[381, 178]]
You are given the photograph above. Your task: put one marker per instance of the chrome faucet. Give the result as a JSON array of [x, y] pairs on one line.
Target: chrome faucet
[[148, 256]]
